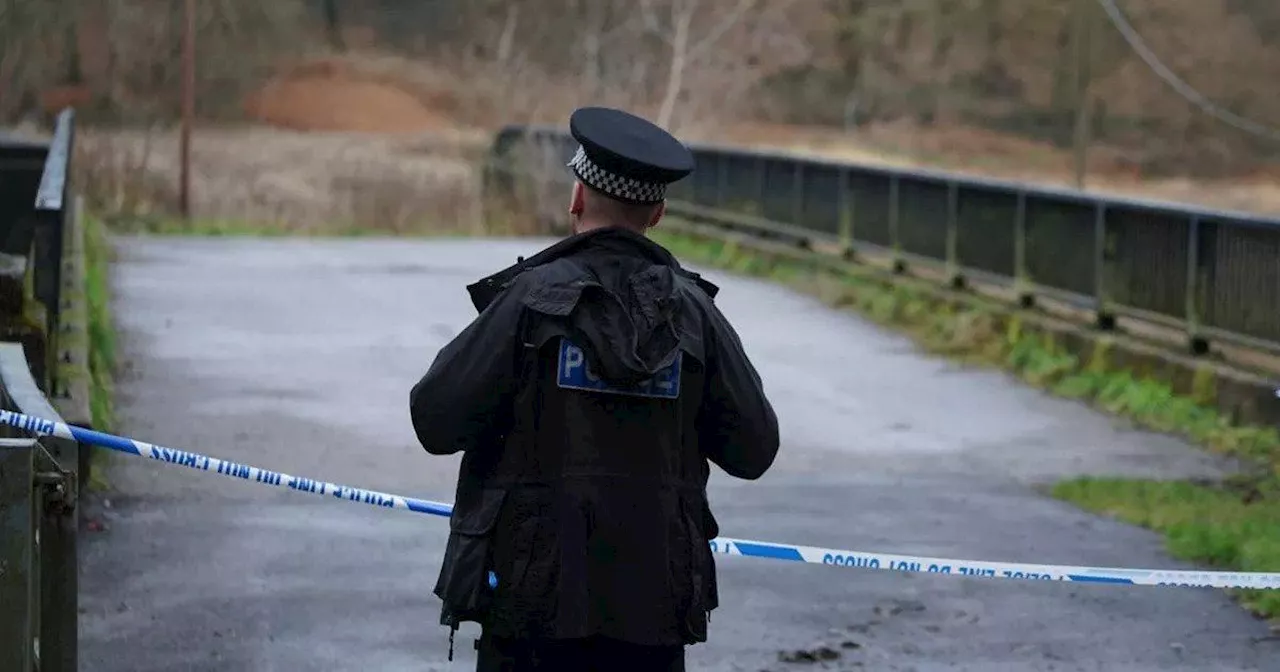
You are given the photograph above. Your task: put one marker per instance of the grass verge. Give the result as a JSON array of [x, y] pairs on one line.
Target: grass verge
[[1232, 525], [102, 335]]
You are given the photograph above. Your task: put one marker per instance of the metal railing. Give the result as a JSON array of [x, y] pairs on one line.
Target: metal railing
[[40, 479], [1210, 274]]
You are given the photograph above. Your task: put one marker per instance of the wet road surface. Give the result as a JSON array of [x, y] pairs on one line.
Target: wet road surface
[[299, 355]]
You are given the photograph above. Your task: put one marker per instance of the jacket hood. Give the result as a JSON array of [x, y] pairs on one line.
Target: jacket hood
[[621, 296], [485, 290]]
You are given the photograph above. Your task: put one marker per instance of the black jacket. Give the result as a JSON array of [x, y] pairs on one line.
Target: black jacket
[[589, 505]]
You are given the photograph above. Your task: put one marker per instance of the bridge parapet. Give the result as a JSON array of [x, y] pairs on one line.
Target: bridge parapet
[[1210, 275], [43, 357], [1194, 287]]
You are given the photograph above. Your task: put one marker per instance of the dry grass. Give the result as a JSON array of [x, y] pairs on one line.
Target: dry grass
[[369, 143], [305, 182]]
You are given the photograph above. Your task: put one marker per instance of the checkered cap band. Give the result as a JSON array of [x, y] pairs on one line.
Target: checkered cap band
[[616, 185]]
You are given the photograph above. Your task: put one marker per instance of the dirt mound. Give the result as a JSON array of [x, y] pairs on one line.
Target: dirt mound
[[328, 96]]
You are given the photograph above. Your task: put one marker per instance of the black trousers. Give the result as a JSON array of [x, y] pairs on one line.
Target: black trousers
[[593, 654]]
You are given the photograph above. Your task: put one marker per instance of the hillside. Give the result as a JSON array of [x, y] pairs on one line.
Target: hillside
[[985, 85]]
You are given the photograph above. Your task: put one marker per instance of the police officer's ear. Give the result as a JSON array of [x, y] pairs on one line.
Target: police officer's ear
[[658, 212], [576, 200]]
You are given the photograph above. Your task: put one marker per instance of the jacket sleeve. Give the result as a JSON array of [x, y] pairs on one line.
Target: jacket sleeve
[[738, 429], [464, 399]]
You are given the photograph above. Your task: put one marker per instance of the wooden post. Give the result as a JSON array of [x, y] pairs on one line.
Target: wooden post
[[188, 103], [1080, 38], [333, 25], [59, 578], [19, 600]]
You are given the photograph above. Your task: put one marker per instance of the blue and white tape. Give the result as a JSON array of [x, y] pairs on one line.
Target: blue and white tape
[[719, 545], [42, 427]]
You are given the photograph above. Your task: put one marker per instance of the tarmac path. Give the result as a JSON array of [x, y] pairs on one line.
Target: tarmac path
[[298, 355]]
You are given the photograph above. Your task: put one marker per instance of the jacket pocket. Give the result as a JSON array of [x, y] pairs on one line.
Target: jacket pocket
[[710, 530], [463, 584], [701, 596], [528, 554]]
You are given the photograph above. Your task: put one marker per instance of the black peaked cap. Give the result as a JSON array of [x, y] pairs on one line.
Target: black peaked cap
[[625, 156]]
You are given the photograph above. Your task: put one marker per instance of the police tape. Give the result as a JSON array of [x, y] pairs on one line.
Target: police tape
[[719, 545]]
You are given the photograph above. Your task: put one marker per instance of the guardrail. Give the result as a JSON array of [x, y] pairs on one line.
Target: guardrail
[[1211, 274], [41, 308]]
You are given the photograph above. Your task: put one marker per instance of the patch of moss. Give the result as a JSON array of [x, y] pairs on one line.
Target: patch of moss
[[102, 335], [1235, 525], [102, 339]]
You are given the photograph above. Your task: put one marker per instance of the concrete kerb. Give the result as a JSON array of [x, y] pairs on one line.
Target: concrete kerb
[[72, 377]]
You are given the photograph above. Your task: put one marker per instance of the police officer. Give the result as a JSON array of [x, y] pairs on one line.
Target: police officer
[[587, 399]]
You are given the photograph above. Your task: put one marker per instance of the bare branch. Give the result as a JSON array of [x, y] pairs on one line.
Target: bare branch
[[508, 33], [629, 23], [651, 20], [679, 61], [719, 31]]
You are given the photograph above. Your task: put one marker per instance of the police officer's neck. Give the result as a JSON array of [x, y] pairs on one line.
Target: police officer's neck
[[586, 225]]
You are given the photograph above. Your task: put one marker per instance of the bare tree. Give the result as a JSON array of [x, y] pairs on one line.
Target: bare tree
[[607, 23], [333, 25], [508, 33], [686, 48]]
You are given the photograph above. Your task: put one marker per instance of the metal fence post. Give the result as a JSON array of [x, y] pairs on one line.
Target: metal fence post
[[797, 194], [1195, 340], [954, 276], [47, 275], [1104, 317], [722, 181], [895, 240], [761, 168], [847, 207], [51, 208], [19, 553], [1022, 282]]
